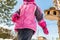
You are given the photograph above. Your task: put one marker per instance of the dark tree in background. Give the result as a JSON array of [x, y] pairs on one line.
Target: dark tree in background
[[6, 7]]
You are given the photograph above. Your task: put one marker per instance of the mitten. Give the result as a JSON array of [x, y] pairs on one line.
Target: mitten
[[42, 23], [15, 17]]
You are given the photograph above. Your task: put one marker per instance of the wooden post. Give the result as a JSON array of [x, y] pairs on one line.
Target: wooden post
[[59, 25]]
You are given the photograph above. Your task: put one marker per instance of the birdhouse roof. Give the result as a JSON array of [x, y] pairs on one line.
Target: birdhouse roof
[[52, 8]]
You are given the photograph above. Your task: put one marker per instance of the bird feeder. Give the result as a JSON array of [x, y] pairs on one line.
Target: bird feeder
[[52, 14]]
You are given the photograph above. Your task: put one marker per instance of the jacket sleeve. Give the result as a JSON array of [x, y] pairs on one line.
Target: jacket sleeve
[[15, 16], [41, 22], [38, 14], [18, 11]]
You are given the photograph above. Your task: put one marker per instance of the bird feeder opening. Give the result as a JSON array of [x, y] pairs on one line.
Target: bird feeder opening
[[54, 12], [48, 12], [51, 14]]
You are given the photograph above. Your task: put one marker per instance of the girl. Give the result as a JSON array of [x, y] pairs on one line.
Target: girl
[[24, 19]]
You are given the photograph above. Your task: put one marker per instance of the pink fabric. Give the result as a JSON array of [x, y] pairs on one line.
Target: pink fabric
[[15, 16], [28, 0], [26, 18], [42, 23]]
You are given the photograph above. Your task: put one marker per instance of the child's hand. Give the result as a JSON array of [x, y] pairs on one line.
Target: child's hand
[[15, 16], [42, 23], [45, 30]]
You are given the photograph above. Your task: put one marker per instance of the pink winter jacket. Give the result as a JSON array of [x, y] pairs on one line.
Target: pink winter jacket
[[25, 17]]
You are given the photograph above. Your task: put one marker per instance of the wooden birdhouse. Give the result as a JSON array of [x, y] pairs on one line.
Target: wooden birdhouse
[[52, 13]]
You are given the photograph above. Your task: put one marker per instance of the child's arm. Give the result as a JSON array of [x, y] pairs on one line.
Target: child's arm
[[15, 16], [41, 22]]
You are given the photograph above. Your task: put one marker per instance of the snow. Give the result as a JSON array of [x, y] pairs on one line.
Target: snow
[[5, 39]]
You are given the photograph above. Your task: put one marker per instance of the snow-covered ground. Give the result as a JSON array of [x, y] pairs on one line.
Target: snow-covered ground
[[5, 39]]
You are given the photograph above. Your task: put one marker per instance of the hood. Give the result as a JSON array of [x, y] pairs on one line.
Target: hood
[[28, 0]]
